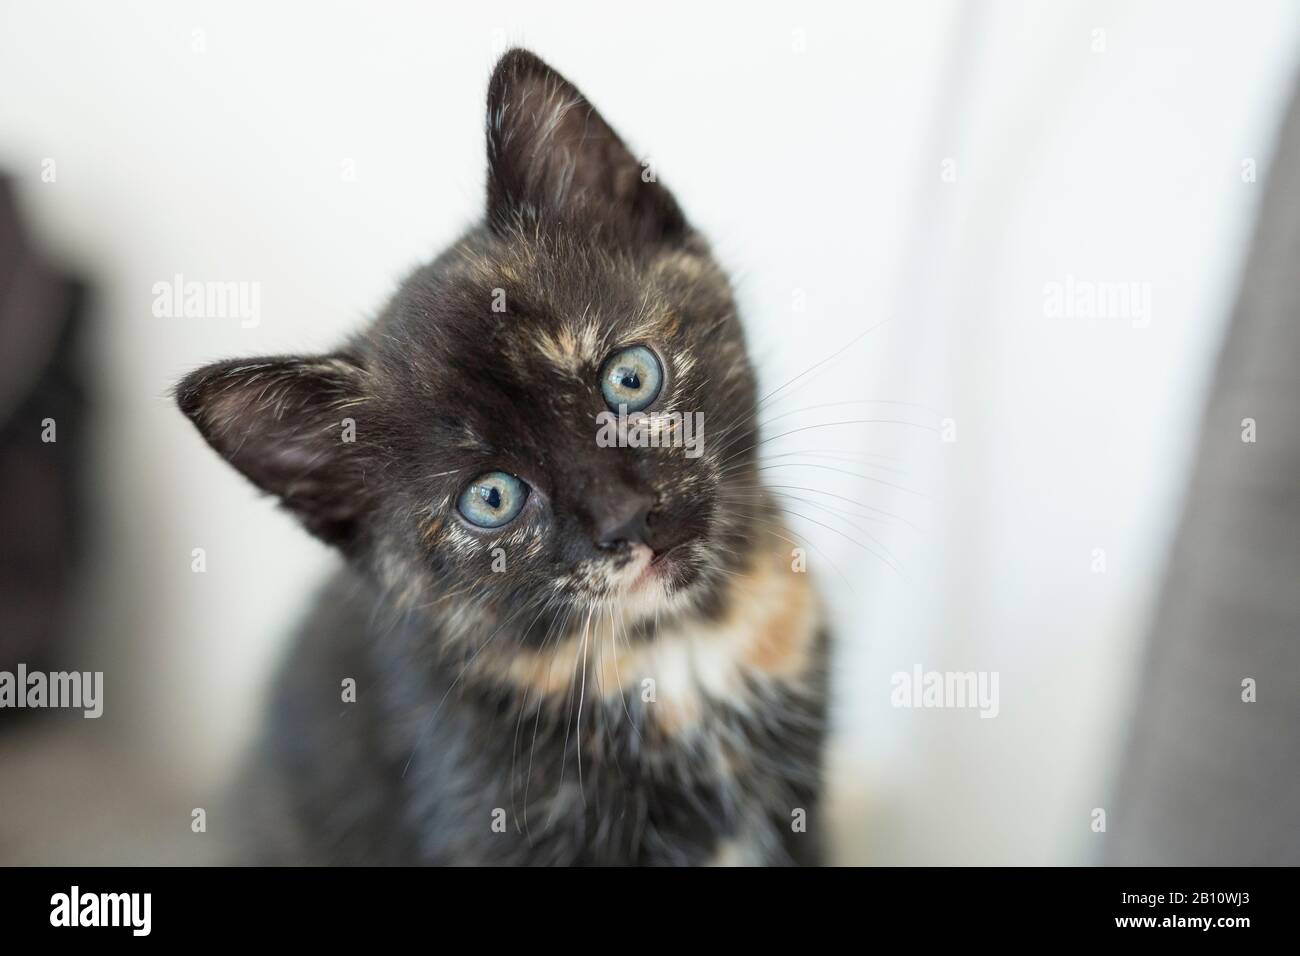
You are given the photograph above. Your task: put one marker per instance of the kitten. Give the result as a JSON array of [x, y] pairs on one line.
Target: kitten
[[564, 650]]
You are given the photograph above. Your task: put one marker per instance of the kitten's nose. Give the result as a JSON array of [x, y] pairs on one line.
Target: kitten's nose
[[623, 521]]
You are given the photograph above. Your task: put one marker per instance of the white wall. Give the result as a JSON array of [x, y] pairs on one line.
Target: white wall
[[808, 140]]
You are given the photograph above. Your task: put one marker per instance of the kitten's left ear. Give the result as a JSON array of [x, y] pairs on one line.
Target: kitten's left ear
[[551, 155], [283, 423]]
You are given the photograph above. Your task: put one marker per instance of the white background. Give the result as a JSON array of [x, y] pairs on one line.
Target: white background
[[809, 142]]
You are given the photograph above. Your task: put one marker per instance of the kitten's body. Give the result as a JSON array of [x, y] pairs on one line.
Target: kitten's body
[[627, 666], [424, 768]]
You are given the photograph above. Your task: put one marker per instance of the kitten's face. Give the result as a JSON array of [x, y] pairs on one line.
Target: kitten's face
[[480, 466]]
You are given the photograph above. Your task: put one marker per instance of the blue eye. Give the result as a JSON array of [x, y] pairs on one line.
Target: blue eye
[[492, 499], [632, 377]]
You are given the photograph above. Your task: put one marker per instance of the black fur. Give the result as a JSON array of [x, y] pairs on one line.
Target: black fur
[[588, 255]]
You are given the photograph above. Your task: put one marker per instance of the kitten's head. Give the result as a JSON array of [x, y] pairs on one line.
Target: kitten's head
[[459, 446]]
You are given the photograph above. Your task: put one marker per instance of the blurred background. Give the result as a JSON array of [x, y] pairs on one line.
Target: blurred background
[[915, 201]]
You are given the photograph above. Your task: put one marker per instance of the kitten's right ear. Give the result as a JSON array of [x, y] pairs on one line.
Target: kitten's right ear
[[552, 157], [283, 423]]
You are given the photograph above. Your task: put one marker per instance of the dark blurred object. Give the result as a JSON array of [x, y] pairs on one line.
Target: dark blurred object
[[41, 312], [1211, 778]]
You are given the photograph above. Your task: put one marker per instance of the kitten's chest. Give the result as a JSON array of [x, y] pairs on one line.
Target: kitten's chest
[[702, 745], [616, 785]]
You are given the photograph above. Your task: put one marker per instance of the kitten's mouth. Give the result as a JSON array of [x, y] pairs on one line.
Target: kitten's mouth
[[659, 567], [662, 558], [647, 575]]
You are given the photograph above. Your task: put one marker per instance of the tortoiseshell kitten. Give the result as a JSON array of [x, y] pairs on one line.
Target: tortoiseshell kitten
[[564, 651]]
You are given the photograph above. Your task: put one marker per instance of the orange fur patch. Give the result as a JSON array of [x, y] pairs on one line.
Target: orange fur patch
[[767, 635]]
